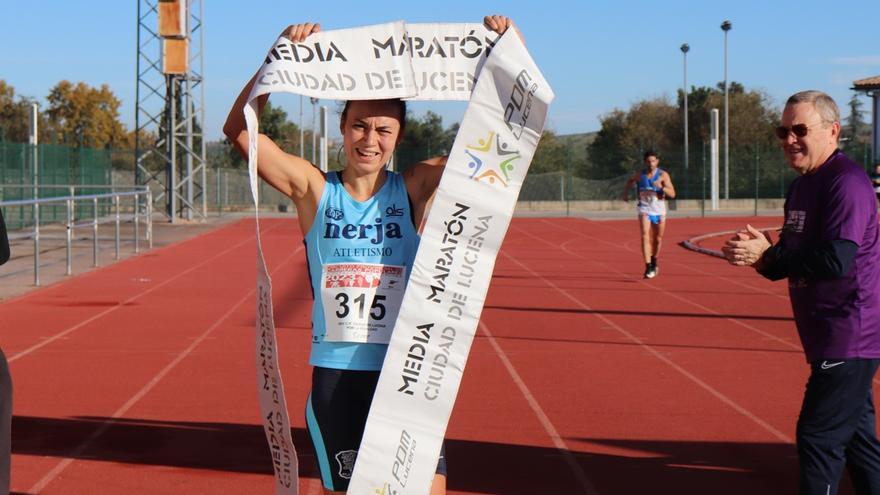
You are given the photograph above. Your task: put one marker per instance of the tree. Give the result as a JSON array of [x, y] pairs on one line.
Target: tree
[[424, 138], [608, 151], [855, 122], [274, 124], [551, 154], [856, 133], [624, 136], [652, 125], [753, 117], [427, 133], [15, 115], [751, 113], [83, 116], [126, 160], [657, 124]]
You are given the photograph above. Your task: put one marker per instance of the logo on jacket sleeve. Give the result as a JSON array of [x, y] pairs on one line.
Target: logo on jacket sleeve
[[796, 221]]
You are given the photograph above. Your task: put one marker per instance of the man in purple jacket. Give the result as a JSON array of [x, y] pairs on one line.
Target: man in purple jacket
[[830, 253]]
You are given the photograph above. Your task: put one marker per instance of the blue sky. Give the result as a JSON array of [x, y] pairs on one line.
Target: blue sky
[[597, 55]]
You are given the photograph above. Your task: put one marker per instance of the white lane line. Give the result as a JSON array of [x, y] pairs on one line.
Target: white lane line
[[129, 259], [558, 442], [751, 287], [685, 300], [650, 349], [694, 242], [107, 311], [72, 457], [797, 347]]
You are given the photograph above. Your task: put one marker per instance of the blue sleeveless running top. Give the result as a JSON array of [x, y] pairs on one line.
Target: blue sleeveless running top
[[346, 245], [650, 197], [647, 183]]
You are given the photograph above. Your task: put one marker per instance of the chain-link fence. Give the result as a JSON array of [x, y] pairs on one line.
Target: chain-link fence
[[763, 174], [229, 189], [754, 172], [22, 166]]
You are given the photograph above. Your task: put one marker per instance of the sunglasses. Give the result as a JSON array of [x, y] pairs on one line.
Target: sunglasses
[[799, 130]]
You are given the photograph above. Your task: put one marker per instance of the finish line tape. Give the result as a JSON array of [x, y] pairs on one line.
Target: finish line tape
[[464, 230]]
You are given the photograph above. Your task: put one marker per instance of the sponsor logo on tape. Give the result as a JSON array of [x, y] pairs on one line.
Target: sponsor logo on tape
[[519, 105], [491, 160]]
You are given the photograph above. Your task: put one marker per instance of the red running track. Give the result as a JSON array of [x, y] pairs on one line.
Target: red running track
[[138, 378]]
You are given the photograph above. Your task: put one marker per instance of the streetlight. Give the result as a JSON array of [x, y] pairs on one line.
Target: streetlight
[[725, 26], [684, 51]]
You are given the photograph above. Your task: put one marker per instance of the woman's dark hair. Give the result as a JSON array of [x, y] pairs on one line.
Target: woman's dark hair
[[401, 107]]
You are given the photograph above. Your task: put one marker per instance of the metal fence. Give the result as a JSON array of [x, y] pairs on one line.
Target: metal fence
[[26, 171], [229, 189], [21, 163], [86, 211], [755, 172]]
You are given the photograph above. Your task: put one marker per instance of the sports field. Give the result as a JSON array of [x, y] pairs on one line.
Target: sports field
[[138, 378]]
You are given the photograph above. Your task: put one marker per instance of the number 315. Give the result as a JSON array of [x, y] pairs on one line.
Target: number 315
[[377, 309]]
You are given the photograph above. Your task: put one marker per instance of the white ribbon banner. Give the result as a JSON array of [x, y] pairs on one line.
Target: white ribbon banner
[[450, 278], [446, 58], [395, 60]]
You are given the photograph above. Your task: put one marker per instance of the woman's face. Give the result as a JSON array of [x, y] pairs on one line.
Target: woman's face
[[370, 132]]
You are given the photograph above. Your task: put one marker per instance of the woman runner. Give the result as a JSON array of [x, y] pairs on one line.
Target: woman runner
[[360, 226]]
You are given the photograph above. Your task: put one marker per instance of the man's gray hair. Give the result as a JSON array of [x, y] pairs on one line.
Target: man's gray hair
[[825, 106]]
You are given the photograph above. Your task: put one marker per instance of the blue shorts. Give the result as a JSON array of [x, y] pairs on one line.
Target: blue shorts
[[336, 415], [655, 219]]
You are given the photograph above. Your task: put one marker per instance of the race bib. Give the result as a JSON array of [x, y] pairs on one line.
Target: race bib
[[648, 197], [361, 301]]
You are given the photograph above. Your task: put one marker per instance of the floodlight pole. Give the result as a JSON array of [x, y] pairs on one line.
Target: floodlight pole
[[684, 50], [725, 26]]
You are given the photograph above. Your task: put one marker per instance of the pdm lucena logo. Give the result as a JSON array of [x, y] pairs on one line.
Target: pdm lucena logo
[[491, 160]]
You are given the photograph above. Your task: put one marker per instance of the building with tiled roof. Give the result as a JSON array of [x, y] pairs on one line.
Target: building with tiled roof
[[871, 87], [867, 84]]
